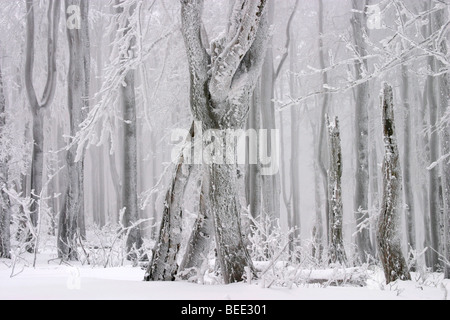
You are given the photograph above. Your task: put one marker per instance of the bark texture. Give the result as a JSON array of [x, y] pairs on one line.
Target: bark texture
[[38, 106], [5, 212], [389, 245], [361, 198], [78, 94], [336, 243]]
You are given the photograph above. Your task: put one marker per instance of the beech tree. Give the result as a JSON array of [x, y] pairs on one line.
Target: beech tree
[[336, 241], [222, 83], [5, 210], [389, 245], [38, 106], [78, 103]]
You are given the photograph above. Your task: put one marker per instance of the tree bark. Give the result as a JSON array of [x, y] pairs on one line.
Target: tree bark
[[163, 266], [78, 96], [38, 106], [410, 213], [444, 90], [336, 244], [5, 211], [389, 245], [221, 88], [361, 199]]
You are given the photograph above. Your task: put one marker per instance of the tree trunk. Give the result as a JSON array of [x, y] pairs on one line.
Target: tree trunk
[[325, 105], [389, 245], [201, 238], [253, 177], [410, 213], [444, 90], [73, 210], [336, 243], [163, 266], [130, 163], [5, 212], [361, 205], [38, 106]]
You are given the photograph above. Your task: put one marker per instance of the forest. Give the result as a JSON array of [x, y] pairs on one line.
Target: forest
[[269, 143]]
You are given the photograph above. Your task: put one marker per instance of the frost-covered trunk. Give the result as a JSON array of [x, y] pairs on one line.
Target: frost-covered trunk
[[270, 183], [388, 237], [5, 212], [201, 238], [130, 163], [322, 128], [38, 107], [295, 143], [433, 174], [336, 241], [253, 176], [410, 214], [444, 94], [361, 198], [164, 266], [221, 89], [78, 94]]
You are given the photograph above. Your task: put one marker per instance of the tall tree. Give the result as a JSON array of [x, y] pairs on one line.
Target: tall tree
[[361, 198], [441, 19], [5, 212], [389, 244], [39, 106], [221, 88], [336, 241], [78, 103], [130, 163]]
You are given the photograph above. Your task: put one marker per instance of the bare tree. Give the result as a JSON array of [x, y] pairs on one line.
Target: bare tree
[[389, 244], [5, 211], [221, 88], [336, 241], [39, 106], [361, 199], [78, 103]]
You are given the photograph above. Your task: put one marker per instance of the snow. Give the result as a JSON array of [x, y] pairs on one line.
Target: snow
[[61, 282]]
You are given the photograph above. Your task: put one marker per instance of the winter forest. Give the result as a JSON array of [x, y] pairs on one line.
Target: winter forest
[[238, 149]]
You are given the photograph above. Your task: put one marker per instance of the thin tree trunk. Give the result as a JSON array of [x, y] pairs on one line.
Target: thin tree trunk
[[5, 212], [38, 106], [336, 243], [389, 245], [410, 213], [164, 266], [361, 199], [78, 81]]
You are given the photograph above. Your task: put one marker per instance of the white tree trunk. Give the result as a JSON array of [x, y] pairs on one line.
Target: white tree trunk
[[410, 213], [72, 212], [444, 90], [5, 212], [336, 242], [361, 199], [389, 244], [38, 106]]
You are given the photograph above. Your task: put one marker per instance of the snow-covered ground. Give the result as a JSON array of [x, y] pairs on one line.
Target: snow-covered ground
[[60, 282]]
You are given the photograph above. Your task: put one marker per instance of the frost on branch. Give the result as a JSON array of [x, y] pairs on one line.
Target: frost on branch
[[389, 246]]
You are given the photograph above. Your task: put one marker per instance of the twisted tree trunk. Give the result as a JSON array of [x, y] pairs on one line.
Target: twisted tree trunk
[[389, 245], [336, 242]]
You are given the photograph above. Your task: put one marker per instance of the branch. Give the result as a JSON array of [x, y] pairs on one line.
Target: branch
[[288, 40], [229, 61]]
